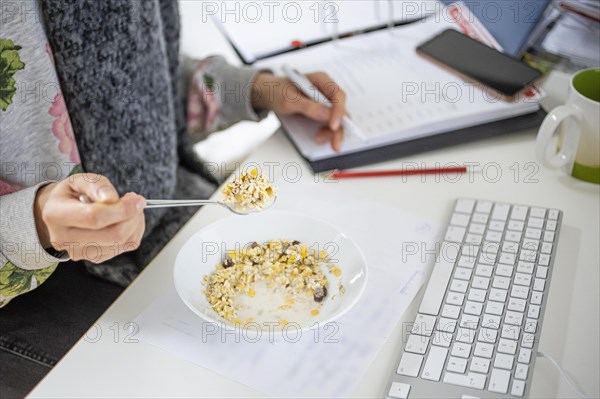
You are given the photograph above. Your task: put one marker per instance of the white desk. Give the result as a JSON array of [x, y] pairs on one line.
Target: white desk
[[105, 367], [571, 329]]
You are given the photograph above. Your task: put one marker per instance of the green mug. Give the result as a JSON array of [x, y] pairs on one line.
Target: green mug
[[579, 142]]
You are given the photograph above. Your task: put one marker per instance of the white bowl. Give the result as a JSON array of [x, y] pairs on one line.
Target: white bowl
[[206, 248]]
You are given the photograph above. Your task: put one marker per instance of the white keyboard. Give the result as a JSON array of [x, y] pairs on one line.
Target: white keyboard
[[478, 325]]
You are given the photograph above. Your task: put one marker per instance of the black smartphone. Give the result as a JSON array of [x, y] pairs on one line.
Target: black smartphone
[[479, 63]]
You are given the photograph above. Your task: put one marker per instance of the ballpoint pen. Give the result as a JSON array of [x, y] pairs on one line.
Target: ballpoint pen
[[309, 90]]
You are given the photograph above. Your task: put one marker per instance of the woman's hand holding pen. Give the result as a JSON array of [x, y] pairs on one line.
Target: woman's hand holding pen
[[280, 95]]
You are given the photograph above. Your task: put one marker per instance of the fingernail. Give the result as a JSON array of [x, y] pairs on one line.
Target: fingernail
[[104, 193], [335, 125], [140, 204]]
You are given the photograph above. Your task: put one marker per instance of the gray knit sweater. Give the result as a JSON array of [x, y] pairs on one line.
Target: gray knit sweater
[[117, 101]]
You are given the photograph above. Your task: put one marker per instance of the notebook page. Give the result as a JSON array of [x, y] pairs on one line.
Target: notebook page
[[393, 94], [248, 24]]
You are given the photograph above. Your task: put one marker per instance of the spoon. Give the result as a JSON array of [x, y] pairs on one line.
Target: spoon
[[151, 204]]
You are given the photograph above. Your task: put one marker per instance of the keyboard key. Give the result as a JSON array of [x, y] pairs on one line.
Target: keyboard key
[[528, 340], [462, 220], [522, 279], [530, 244], [528, 255], [516, 304], [535, 222], [539, 284], [521, 371], [519, 292], [496, 225], [416, 344], [473, 308], [541, 272], [470, 250], [504, 270], [451, 311], [549, 236], [494, 308], [503, 361], [470, 380], [484, 206], [461, 349], [459, 286], [455, 234], [525, 267], [473, 239], [510, 332], [533, 312], [466, 261], [410, 364], [399, 390], [537, 213], [481, 283], [551, 225], [488, 335], [530, 326], [544, 259], [498, 295], [510, 247], [501, 282], [423, 325], [477, 228], [434, 363], [494, 236], [456, 365], [479, 218], [462, 273], [446, 325], [507, 346], [518, 388], [483, 349], [524, 355], [519, 212], [477, 295], [490, 321], [438, 282], [530, 232], [500, 211], [546, 248], [464, 205], [513, 318], [490, 248], [484, 270], [536, 297], [441, 338], [514, 236], [455, 298], [469, 321], [499, 380], [516, 225], [480, 365], [507, 258], [487, 258], [553, 214]]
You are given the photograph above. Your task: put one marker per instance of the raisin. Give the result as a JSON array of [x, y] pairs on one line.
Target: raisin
[[254, 245], [295, 242], [320, 294], [228, 262]]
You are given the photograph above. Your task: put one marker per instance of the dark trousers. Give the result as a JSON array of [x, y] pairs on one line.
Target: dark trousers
[[38, 328]]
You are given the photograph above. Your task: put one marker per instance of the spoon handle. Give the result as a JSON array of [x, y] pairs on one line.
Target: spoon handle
[[175, 203]]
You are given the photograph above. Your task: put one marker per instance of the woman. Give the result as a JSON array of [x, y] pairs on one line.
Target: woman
[[99, 87]]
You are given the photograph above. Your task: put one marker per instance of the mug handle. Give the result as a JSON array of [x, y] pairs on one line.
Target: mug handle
[[566, 154]]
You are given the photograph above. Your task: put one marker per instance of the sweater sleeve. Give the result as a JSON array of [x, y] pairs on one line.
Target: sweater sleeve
[[219, 95], [24, 264]]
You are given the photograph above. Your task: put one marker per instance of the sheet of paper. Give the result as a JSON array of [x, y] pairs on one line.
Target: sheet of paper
[[283, 22], [325, 362], [394, 95]]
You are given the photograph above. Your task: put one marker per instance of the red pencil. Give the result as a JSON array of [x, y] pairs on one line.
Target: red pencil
[[406, 172]]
